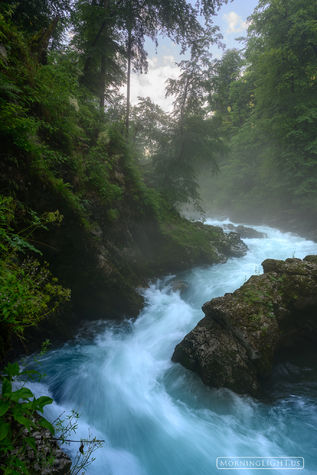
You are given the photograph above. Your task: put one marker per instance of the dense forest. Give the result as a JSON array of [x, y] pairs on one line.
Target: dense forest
[[93, 188], [265, 99], [76, 191]]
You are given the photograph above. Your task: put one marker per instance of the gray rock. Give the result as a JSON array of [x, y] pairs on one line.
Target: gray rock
[[234, 345], [233, 246], [3, 53], [48, 459], [245, 232]]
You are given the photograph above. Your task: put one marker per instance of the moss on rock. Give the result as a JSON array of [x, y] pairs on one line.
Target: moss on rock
[[235, 344]]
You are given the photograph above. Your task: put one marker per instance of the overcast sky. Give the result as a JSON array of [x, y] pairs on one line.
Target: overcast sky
[[232, 20]]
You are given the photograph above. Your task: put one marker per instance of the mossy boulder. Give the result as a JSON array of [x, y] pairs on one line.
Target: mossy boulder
[[235, 344]]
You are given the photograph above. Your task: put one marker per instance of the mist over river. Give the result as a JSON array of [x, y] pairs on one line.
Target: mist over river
[[156, 417]]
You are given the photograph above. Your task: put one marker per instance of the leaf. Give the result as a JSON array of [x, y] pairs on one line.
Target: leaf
[[47, 425], [12, 369], [23, 393], [22, 420], [4, 406], [4, 429], [21, 245], [6, 388], [43, 401]]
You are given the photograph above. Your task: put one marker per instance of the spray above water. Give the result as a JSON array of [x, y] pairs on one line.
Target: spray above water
[[156, 417]]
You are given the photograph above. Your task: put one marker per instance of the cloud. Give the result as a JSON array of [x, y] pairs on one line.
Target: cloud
[[236, 24], [152, 84]]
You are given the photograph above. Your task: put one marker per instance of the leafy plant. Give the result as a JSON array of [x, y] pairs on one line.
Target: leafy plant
[[18, 418], [20, 422], [28, 290]]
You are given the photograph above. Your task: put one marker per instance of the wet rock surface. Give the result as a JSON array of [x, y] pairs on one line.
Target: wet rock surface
[[235, 344], [48, 458], [234, 246], [244, 231]]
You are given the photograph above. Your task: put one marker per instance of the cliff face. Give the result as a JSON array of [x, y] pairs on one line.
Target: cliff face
[[235, 344]]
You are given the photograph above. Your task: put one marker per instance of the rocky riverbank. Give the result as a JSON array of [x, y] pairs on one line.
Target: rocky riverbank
[[234, 346]]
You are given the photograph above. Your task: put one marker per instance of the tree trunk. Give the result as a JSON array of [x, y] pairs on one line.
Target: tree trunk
[[182, 113], [127, 120], [88, 62], [103, 82], [40, 43]]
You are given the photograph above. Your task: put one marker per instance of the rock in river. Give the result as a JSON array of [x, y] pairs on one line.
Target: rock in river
[[245, 232], [235, 344]]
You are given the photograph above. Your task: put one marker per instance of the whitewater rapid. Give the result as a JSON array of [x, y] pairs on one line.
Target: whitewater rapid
[[156, 417]]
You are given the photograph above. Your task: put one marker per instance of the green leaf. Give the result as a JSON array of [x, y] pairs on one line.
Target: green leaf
[[22, 420], [12, 369], [47, 425], [4, 406], [43, 401], [6, 388], [23, 393], [21, 245], [4, 429]]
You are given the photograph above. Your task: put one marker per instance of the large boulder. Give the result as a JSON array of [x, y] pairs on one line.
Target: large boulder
[[235, 344], [233, 246]]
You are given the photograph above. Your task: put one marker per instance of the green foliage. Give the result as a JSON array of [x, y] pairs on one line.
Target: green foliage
[[149, 125], [34, 15], [191, 140], [29, 292], [20, 420], [108, 35], [18, 417], [267, 102], [184, 152], [102, 160], [65, 426]]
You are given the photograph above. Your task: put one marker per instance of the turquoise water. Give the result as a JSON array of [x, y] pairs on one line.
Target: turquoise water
[[156, 417]]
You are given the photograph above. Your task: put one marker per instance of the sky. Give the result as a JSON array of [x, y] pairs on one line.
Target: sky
[[232, 21]]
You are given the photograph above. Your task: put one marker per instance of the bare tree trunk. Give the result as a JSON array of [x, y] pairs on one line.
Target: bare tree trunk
[[182, 113], [88, 62], [127, 120], [103, 82], [103, 68]]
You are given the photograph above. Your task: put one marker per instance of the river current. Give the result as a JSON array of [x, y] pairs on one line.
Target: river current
[[156, 417]]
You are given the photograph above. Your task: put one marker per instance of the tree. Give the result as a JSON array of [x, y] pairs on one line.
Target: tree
[[34, 16], [225, 71], [149, 125], [177, 19], [99, 43], [116, 31], [192, 141], [271, 115]]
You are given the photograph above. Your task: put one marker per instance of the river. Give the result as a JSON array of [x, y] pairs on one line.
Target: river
[[156, 417]]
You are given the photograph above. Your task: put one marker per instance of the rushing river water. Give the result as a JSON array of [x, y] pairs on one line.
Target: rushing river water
[[159, 419]]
